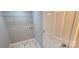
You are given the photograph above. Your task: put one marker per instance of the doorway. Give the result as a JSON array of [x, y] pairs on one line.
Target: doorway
[[57, 28]]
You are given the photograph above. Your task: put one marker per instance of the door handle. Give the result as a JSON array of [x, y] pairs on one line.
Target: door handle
[[63, 45]]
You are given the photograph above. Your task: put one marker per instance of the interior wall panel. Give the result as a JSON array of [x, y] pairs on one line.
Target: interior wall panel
[[37, 27], [49, 22], [69, 18], [59, 23], [19, 25], [4, 36]]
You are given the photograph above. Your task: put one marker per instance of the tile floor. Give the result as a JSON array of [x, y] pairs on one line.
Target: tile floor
[[31, 43], [48, 42]]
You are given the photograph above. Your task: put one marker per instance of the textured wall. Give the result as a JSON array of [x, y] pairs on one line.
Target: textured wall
[[4, 37]]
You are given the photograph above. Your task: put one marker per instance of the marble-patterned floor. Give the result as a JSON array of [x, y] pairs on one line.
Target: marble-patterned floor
[[31, 43], [48, 42]]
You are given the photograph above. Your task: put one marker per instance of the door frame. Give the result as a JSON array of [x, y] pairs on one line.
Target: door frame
[[74, 31]]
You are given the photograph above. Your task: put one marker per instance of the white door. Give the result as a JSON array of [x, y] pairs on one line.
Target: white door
[[57, 26]]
